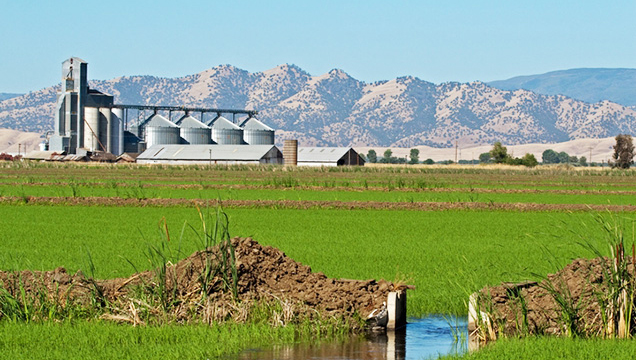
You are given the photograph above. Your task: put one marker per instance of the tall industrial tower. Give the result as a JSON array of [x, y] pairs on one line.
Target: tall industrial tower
[[83, 119]]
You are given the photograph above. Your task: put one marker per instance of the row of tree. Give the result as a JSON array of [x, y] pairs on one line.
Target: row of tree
[[622, 158], [499, 155], [388, 158]]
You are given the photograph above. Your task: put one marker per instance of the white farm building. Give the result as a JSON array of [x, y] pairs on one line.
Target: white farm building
[[328, 156], [211, 154]]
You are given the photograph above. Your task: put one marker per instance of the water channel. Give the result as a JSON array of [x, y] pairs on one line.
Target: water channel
[[423, 338]]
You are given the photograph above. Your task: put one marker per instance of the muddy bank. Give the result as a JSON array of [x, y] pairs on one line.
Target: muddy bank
[[589, 297], [208, 286]]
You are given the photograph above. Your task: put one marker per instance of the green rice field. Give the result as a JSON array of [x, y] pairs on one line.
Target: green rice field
[[446, 254]]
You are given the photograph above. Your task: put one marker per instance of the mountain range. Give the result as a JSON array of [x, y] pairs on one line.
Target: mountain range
[[590, 85], [5, 96], [335, 109]]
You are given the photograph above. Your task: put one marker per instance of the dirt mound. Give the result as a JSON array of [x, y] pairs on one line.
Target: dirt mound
[[208, 283], [584, 298]]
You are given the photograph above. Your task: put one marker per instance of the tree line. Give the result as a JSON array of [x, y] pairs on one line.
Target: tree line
[[622, 157]]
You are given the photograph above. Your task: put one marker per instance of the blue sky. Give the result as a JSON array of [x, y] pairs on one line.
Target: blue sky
[[437, 41]]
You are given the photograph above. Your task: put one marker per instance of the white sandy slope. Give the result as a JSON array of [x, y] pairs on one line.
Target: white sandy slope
[[600, 150], [12, 141]]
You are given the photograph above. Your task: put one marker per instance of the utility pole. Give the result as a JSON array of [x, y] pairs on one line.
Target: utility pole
[[456, 146]]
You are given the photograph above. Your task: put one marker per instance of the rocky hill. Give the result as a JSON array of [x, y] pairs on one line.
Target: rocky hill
[[590, 85], [336, 109]]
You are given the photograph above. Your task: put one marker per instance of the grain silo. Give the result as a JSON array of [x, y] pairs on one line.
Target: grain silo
[[257, 133], [159, 130], [92, 129], [194, 132], [117, 131], [224, 132]]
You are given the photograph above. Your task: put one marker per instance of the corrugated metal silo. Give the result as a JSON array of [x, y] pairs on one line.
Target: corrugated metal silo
[[158, 130], [91, 128], [257, 133], [224, 132], [105, 129], [194, 132], [117, 131]]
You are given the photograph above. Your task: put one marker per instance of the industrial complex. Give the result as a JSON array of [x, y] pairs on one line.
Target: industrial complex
[[89, 125]]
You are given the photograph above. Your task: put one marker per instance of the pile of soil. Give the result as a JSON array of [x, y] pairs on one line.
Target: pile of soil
[[262, 273], [580, 290]]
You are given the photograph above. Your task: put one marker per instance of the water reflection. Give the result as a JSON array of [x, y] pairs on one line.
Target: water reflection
[[425, 338]]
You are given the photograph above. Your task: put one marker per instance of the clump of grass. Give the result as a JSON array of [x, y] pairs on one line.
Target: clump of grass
[[216, 235], [617, 298]]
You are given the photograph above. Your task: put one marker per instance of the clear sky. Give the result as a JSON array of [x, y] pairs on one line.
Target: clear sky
[[437, 41]]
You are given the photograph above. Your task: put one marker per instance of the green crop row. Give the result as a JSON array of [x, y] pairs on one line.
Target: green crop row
[[139, 191], [103, 340], [540, 348], [355, 177]]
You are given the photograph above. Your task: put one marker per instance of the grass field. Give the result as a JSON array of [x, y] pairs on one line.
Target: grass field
[[446, 254]]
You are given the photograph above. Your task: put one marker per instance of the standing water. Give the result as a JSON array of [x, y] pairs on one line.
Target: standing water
[[425, 338]]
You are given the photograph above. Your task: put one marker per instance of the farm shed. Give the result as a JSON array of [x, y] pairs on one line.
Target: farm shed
[[328, 156], [211, 154]]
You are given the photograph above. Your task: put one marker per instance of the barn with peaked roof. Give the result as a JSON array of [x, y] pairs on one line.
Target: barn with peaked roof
[[328, 156]]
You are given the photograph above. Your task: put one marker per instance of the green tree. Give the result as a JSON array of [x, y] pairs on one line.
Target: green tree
[[415, 156], [429, 161], [499, 153], [564, 158], [623, 152], [484, 158], [583, 161], [372, 156], [550, 157], [388, 157], [529, 160]]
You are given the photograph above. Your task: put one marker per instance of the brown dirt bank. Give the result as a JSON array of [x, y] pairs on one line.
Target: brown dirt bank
[[312, 204], [262, 273], [581, 299]]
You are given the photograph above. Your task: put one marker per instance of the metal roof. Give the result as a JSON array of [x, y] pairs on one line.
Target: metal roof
[[158, 120], [223, 123], [321, 154], [253, 123], [206, 152], [190, 122]]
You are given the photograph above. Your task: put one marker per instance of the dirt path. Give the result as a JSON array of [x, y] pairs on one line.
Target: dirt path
[[312, 204]]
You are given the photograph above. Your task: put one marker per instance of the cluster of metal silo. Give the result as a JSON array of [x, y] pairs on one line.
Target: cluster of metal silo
[[104, 130], [189, 130]]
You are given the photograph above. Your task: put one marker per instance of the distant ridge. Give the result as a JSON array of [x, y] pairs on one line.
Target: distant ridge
[[5, 96], [334, 109], [590, 85]]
